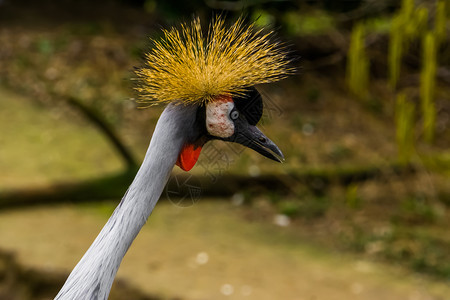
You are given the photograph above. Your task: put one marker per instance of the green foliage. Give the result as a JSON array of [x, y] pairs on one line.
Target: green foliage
[[45, 47], [358, 63], [416, 210], [378, 24], [413, 20], [307, 207], [422, 252], [410, 24], [313, 94], [289, 208], [395, 51], [407, 9], [339, 152], [352, 198], [421, 20], [317, 22], [356, 238], [406, 26], [404, 120], [404, 244], [263, 18], [150, 6], [427, 85], [440, 20]]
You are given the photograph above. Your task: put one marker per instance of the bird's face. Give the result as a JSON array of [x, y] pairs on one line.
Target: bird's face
[[230, 119]]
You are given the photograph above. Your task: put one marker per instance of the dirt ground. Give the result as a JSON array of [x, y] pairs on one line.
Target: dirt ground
[[208, 251]]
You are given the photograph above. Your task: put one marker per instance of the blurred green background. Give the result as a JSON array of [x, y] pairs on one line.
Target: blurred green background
[[359, 210]]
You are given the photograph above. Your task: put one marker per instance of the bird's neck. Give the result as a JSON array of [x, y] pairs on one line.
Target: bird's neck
[[94, 274]]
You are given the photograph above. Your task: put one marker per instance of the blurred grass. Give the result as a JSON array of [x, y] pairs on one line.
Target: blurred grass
[[41, 147]]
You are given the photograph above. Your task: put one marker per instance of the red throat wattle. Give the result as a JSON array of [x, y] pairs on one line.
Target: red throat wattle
[[217, 124], [188, 156]]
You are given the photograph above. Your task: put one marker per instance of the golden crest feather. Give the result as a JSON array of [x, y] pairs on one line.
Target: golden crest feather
[[186, 67]]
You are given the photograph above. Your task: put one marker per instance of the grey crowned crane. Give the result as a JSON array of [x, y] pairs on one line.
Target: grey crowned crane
[[207, 83]]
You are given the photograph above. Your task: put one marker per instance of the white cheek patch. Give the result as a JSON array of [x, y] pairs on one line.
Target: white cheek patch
[[218, 122]]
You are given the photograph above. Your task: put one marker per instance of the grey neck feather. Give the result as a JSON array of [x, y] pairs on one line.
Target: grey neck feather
[[94, 274]]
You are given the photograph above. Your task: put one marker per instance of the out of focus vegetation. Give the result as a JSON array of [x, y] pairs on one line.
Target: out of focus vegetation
[[364, 126]]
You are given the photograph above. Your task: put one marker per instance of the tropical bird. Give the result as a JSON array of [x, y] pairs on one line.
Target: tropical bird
[[207, 83]]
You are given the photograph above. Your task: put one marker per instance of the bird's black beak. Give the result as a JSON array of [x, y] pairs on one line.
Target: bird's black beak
[[250, 136]]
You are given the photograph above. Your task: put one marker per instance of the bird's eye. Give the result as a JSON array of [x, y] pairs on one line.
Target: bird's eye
[[234, 115]]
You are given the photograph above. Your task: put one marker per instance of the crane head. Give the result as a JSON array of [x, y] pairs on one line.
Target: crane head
[[230, 119], [217, 72]]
